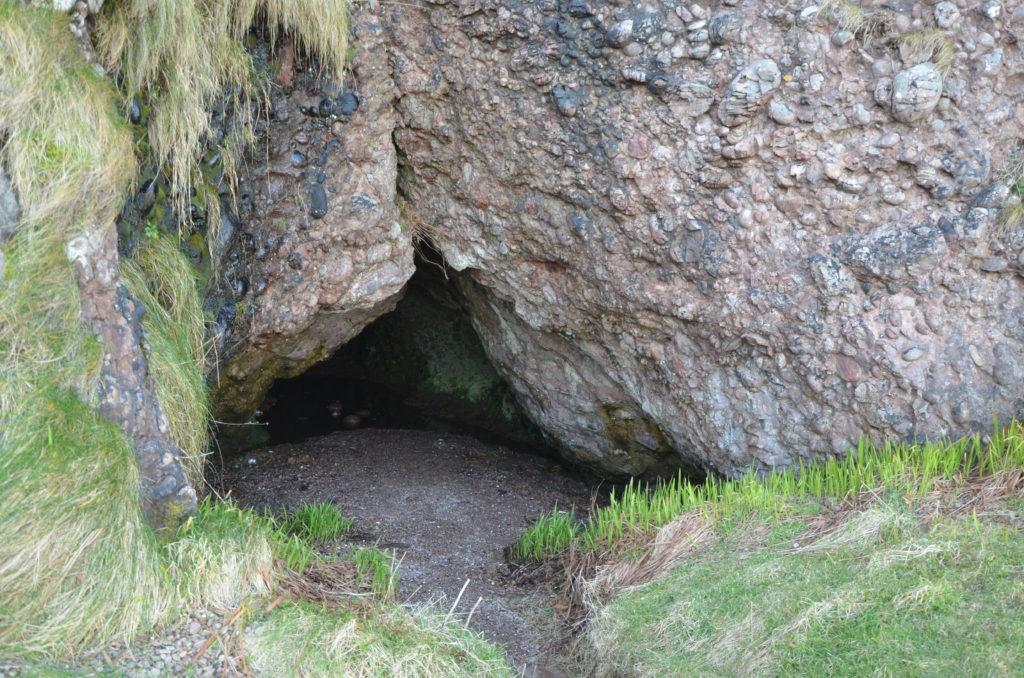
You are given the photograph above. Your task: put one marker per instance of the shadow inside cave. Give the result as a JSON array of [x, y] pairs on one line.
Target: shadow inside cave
[[420, 367]]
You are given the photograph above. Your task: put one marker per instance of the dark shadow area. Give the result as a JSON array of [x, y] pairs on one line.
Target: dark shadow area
[[420, 367]]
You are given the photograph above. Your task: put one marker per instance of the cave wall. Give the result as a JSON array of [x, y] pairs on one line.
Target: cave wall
[[317, 252], [721, 234]]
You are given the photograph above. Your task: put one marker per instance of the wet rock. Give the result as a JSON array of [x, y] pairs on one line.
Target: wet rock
[[748, 92], [916, 92]]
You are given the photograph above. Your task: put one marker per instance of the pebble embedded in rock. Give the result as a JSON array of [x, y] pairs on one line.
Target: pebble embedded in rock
[[566, 99], [318, 202], [348, 103], [912, 354], [916, 92], [134, 111], [946, 14], [725, 27], [781, 113], [748, 91], [620, 34], [994, 265]]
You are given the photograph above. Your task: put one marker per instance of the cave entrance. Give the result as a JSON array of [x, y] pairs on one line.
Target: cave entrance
[[420, 367], [411, 433]]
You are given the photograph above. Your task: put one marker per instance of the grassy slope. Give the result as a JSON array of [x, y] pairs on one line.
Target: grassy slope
[[896, 560], [882, 595], [302, 639], [69, 507]]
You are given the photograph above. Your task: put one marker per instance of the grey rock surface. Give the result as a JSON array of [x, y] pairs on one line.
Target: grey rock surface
[[9, 210], [700, 250]]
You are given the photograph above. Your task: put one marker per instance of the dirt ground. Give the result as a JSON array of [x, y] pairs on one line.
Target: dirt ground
[[448, 505]]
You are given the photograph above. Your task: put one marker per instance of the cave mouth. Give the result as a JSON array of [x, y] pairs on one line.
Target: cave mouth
[[420, 367]]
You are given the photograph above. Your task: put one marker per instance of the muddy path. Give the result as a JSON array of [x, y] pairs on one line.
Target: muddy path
[[447, 504]]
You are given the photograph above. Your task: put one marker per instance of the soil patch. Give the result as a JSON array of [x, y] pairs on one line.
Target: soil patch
[[448, 505]]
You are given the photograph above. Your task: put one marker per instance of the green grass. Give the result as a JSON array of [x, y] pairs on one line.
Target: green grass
[[316, 522], [638, 509], [160, 276], [302, 639], [378, 568], [880, 595], [551, 533], [78, 565]]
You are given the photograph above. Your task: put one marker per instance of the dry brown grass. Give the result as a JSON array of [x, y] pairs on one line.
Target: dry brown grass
[[931, 45], [870, 26], [327, 582]]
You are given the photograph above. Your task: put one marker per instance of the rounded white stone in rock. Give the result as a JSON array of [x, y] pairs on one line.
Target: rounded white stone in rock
[[915, 92], [946, 14]]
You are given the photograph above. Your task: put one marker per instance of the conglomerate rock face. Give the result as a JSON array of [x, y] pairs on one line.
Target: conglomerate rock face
[[318, 253], [719, 234]]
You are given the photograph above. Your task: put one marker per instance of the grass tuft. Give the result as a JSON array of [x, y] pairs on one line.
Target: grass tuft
[[551, 533], [928, 45], [316, 522], [222, 555], [868, 25], [378, 568], [303, 639]]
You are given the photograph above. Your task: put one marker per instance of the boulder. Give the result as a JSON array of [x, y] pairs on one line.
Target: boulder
[[751, 276], [662, 290]]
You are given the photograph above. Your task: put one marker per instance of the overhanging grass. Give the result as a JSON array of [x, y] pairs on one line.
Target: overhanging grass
[[881, 594], [160, 277], [912, 469], [302, 639], [183, 57]]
